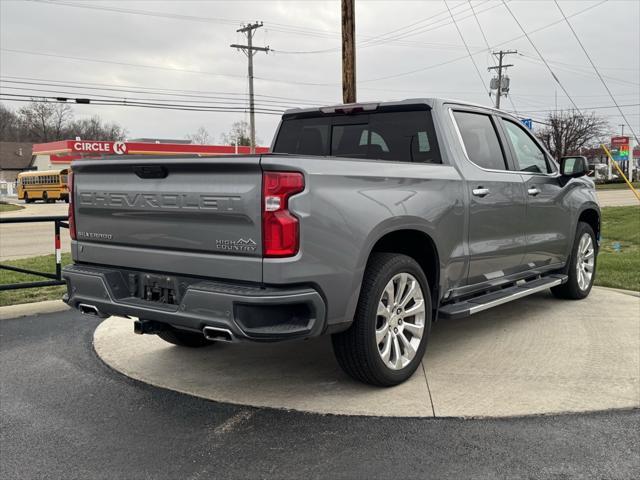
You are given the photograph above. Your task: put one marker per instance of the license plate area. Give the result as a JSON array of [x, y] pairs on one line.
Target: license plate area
[[158, 288]]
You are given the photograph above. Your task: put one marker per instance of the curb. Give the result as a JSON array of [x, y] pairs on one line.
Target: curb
[[35, 308], [632, 293]]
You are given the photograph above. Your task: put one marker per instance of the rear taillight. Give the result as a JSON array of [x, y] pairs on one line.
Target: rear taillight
[[280, 228], [72, 216]]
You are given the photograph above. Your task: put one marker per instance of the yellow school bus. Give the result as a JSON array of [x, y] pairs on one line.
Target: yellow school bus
[[45, 185]]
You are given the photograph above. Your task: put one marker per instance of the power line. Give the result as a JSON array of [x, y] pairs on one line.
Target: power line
[[468, 51], [124, 102], [159, 67], [221, 100], [541, 57], [596, 70], [410, 72], [278, 27], [578, 71], [143, 90], [598, 107], [486, 42], [250, 50]]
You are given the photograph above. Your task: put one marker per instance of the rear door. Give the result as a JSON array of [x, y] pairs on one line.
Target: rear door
[[197, 216], [548, 230], [496, 199]]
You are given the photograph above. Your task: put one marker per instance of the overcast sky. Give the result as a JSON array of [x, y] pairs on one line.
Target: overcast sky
[[162, 51]]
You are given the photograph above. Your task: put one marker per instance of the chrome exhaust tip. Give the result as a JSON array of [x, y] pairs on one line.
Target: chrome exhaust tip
[[218, 334], [89, 309]]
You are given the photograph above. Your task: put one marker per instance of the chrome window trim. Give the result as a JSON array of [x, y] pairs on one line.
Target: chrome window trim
[[466, 154]]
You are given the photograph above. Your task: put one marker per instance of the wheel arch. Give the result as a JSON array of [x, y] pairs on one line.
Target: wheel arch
[[418, 245], [591, 216]]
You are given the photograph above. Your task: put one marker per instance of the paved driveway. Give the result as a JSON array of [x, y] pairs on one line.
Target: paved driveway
[[64, 414]]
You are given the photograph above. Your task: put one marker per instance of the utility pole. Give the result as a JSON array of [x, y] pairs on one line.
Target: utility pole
[[249, 50], [348, 52], [622, 125], [501, 54]]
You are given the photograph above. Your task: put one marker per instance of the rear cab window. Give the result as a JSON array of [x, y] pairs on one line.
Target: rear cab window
[[403, 136]]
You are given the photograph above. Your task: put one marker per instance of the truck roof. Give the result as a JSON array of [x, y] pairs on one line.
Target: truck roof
[[373, 105]]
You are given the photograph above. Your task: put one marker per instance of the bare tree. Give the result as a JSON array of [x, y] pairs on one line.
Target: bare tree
[[239, 134], [50, 121], [201, 137], [9, 125], [568, 131], [94, 129], [45, 121]]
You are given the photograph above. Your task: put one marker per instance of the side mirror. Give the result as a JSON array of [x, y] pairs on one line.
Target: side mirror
[[573, 167]]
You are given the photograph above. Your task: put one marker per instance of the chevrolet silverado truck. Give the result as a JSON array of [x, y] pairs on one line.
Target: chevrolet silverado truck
[[365, 222]]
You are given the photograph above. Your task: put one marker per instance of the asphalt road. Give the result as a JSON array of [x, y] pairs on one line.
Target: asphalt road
[[64, 414], [21, 240]]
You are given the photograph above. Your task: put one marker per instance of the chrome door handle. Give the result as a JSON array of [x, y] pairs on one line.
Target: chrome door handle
[[480, 192], [533, 191]]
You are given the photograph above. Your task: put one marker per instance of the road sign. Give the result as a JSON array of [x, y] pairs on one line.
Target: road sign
[[527, 122]]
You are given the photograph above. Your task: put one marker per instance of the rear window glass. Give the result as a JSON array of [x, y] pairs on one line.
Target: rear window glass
[[396, 136]]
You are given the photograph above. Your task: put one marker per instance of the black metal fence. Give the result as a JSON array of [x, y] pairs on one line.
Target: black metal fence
[[53, 279]]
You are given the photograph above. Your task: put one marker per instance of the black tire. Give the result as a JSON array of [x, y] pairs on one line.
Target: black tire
[[66, 199], [183, 338], [27, 199], [571, 290], [45, 197], [356, 349]]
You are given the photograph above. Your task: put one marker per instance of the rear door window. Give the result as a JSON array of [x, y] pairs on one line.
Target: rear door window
[[480, 140], [407, 136]]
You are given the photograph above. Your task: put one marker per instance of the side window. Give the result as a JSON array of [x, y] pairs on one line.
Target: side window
[[481, 140], [529, 156]]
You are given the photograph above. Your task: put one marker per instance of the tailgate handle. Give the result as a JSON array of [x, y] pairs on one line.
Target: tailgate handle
[[151, 171]]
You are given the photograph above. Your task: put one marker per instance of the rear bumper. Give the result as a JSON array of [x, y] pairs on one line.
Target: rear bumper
[[250, 312]]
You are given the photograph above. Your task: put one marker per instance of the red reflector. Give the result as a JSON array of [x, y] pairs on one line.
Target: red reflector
[[72, 216], [280, 229]]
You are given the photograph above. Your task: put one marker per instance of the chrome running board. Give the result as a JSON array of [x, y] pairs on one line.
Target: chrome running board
[[484, 302]]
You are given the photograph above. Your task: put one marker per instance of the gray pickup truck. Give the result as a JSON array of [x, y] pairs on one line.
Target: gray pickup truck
[[366, 222]]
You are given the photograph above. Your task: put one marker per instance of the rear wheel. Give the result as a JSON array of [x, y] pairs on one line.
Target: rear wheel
[[45, 197], [183, 338], [386, 342], [582, 265]]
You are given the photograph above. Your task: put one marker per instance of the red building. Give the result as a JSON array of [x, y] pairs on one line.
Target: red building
[[62, 153]]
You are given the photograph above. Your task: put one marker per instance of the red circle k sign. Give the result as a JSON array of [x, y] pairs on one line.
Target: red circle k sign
[[119, 148]]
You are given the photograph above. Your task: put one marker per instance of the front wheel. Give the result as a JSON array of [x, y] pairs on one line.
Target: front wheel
[[582, 265], [386, 342]]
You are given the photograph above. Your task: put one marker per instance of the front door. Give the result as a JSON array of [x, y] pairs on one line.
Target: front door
[[497, 202], [548, 232]]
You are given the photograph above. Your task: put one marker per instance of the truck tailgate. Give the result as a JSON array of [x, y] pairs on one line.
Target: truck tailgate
[[183, 215]]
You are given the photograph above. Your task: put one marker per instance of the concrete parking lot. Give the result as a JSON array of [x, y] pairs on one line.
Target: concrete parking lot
[[538, 355], [64, 414]]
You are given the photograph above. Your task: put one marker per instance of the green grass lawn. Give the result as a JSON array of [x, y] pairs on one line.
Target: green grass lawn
[[617, 186], [618, 262], [44, 263], [619, 258], [9, 207]]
